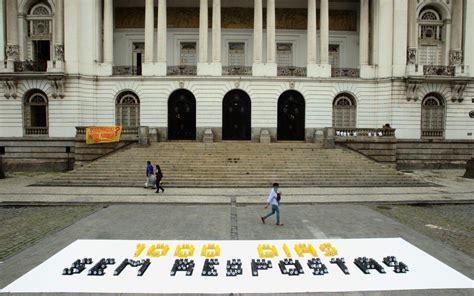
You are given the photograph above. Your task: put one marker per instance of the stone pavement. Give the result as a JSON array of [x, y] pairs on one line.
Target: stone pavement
[[451, 188], [213, 222]]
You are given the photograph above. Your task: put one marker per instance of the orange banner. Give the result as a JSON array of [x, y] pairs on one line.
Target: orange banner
[[103, 134]]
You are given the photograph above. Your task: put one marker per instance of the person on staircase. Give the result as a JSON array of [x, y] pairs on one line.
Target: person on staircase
[[149, 174], [159, 176], [273, 200]]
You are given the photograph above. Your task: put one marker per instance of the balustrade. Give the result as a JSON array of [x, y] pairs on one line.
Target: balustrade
[[36, 131], [436, 70], [292, 71], [432, 134], [237, 70], [31, 66], [365, 132], [182, 70], [345, 72]]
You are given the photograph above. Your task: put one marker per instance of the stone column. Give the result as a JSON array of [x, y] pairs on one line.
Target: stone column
[[311, 31], [203, 28], [12, 49], [384, 44], [108, 32], [364, 33], [149, 31], [216, 65], [271, 66], [325, 67], [400, 30], [469, 38], [312, 70], [257, 32], [161, 39], [324, 29], [412, 33], [271, 46], [455, 52], [59, 31], [56, 64], [2, 30]]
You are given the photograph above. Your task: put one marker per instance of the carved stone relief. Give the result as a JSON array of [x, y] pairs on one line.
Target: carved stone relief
[[12, 51], [411, 56], [455, 57], [234, 18], [58, 88], [412, 90], [10, 88], [457, 91], [59, 52]]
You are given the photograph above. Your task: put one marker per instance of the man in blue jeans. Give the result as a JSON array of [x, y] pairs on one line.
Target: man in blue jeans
[[273, 201]]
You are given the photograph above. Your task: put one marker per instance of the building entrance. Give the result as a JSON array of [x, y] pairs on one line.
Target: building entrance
[[182, 115], [291, 116], [236, 116]]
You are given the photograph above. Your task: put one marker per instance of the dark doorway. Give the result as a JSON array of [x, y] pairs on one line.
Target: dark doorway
[[139, 63], [236, 116], [38, 116], [182, 115], [41, 50], [291, 116]]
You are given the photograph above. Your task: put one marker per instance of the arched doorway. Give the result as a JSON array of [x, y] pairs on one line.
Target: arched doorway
[[433, 116], [236, 116], [182, 115], [291, 116]]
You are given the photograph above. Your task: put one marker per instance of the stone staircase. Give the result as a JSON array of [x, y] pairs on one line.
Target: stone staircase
[[236, 164]]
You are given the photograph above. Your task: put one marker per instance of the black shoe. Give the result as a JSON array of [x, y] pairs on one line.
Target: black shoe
[[163, 190], [157, 191], [263, 220]]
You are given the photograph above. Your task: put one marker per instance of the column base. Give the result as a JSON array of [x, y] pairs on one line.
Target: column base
[[209, 69], [7, 66], [55, 66], [104, 69], [399, 70], [414, 70], [154, 69], [261, 69], [318, 70], [367, 72], [461, 71]]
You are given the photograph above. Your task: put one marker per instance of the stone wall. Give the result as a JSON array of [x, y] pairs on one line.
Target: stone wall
[[425, 154], [413, 154], [33, 154]]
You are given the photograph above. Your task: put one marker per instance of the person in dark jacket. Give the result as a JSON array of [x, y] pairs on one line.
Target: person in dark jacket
[[159, 176], [149, 174]]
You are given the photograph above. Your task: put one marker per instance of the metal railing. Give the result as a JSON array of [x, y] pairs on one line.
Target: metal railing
[[181, 70], [432, 133], [345, 72], [237, 70], [126, 130], [30, 66], [437, 70], [125, 70], [291, 71], [365, 132], [36, 131]]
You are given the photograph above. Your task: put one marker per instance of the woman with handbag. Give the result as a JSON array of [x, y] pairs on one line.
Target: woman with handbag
[[159, 176]]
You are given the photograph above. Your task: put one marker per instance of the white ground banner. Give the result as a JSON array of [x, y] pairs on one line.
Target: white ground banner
[[422, 271]]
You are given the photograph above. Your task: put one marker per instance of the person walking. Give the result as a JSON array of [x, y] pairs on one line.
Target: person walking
[[149, 174], [159, 176], [273, 200]]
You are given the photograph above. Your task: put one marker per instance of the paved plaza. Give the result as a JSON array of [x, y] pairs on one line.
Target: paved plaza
[[436, 219]]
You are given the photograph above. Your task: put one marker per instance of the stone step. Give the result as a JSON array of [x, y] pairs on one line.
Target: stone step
[[231, 164]]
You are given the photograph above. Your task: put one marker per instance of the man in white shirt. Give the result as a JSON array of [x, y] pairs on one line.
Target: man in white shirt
[[273, 201]]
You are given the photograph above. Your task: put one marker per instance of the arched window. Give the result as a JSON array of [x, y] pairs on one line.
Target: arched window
[[36, 113], [430, 37], [432, 116], [344, 111], [127, 109], [40, 29]]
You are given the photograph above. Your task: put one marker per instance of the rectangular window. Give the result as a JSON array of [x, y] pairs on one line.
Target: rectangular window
[[188, 54], [334, 51], [285, 54], [236, 54]]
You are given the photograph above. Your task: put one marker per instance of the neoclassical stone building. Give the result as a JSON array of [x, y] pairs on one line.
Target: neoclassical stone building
[[287, 66]]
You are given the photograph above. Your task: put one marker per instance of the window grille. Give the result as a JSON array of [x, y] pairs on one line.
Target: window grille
[[188, 54], [344, 111], [285, 54], [127, 110], [236, 54]]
